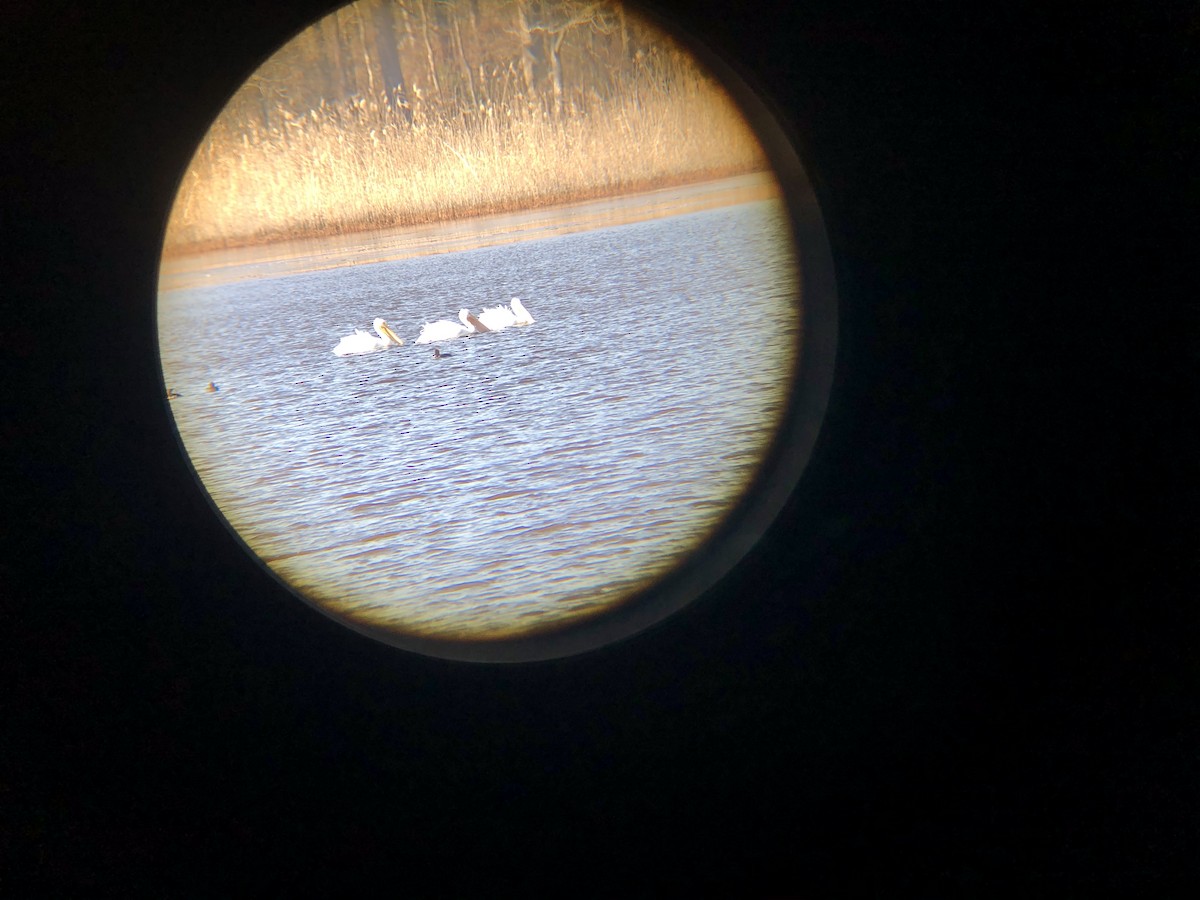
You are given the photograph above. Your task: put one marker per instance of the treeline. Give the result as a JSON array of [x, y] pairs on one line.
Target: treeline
[[460, 60], [399, 112]]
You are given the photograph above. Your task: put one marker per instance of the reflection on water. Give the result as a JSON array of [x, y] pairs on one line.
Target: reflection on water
[[531, 476]]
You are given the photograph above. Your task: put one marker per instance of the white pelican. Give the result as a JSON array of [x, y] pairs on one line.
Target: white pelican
[[445, 330], [498, 317], [522, 314], [362, 342]]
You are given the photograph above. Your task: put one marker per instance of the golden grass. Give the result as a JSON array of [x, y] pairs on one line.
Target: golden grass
[[360, 166]]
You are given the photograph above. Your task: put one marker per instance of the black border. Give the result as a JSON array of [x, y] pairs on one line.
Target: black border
[[963, 658]]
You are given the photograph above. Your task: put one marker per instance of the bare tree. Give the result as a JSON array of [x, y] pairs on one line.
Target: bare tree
[[464, 66], [530, 56], [424, 8], [555, 21], [333, 71], [447, 59], [386, 50]]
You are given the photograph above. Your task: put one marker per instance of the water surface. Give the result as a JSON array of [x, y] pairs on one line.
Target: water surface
[[531, 477]]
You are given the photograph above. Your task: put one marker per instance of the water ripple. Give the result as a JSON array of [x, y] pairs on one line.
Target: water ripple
[[530, 475]]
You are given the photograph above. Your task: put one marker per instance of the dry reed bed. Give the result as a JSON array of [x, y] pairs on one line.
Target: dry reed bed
[[359, 166]]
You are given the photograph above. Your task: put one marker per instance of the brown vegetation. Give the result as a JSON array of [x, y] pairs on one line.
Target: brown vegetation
[[393, 114]]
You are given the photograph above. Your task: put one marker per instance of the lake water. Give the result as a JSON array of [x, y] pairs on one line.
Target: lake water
[[533, 476]]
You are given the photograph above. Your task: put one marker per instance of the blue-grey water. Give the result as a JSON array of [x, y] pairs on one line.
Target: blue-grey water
[[532, 475]]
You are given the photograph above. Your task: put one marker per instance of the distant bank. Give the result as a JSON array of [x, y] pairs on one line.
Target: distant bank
[[211, 267]]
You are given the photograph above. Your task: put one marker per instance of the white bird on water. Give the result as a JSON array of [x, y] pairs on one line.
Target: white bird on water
[[500, 317], [523, 316], [445, 330], [363, 342]]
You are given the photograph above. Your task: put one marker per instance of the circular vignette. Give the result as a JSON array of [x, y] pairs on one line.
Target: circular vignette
[[780, 466]]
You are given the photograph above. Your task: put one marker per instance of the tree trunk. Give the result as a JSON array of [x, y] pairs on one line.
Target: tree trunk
[[365, 47], [529, 57], [462, 64], [334, 88], [395, 91], [555, 74], [347, 65], [429, 57]]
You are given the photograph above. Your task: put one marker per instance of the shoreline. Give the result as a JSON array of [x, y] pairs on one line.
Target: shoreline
[[350, 229], [180, 270]]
